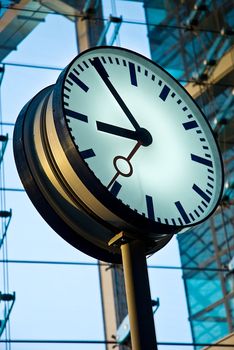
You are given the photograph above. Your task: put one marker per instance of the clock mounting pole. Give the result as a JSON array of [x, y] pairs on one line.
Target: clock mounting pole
[[137, 291]]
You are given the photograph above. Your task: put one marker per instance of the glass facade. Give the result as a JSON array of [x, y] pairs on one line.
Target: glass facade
[[192, 41]]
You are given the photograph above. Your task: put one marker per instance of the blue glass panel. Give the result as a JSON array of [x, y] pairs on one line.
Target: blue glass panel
[[209, 331], [203, 291], [211, 326]]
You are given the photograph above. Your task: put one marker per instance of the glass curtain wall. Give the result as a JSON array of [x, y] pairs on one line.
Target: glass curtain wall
[[191, 40]]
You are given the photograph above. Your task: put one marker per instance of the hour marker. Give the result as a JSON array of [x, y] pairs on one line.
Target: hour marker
[[201, 160], [132, 72], [201, 193], [182, 212], [115, 188], [164, 93], [190, 125], [87, 153], [78, 82], [76, 115], [150, 207]]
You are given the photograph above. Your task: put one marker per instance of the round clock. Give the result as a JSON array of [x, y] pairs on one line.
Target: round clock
[[117, 144]]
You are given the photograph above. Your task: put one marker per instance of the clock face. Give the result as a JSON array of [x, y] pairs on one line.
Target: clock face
[[142, 136]]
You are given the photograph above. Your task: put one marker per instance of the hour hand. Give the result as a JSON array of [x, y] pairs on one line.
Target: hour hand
[[141, 135], [118, 131]]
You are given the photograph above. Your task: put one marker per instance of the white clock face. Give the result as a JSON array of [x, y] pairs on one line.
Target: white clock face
[[142, 136]]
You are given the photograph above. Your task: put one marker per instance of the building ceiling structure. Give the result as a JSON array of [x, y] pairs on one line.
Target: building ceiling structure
[[20, 18]]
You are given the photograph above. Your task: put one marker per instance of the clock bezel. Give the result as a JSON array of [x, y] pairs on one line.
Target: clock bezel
[[135, 222], [32, 175]]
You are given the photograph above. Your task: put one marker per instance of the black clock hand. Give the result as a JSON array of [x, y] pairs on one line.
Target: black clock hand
[[116, 130], [105, 77], [141, 134]]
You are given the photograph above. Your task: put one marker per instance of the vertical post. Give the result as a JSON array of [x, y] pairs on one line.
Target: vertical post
[[138, 293], [138, 296]]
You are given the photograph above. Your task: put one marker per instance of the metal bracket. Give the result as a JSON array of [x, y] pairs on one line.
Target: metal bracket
[[6, 216], [6, 298], [119, 239], [3, 141]]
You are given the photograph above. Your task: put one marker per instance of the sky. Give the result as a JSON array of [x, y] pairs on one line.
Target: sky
[[57, 301]]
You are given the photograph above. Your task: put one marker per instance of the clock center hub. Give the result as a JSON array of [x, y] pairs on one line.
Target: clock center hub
[[123, 166], [144, 136]]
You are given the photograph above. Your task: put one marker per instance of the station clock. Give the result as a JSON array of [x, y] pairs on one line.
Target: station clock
[[117, 144]]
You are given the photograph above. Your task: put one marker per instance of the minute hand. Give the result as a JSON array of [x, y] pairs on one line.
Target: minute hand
[[105, 77]]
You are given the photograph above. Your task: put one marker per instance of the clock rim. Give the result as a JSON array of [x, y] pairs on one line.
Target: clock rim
[[93, 184], [47, 212]]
